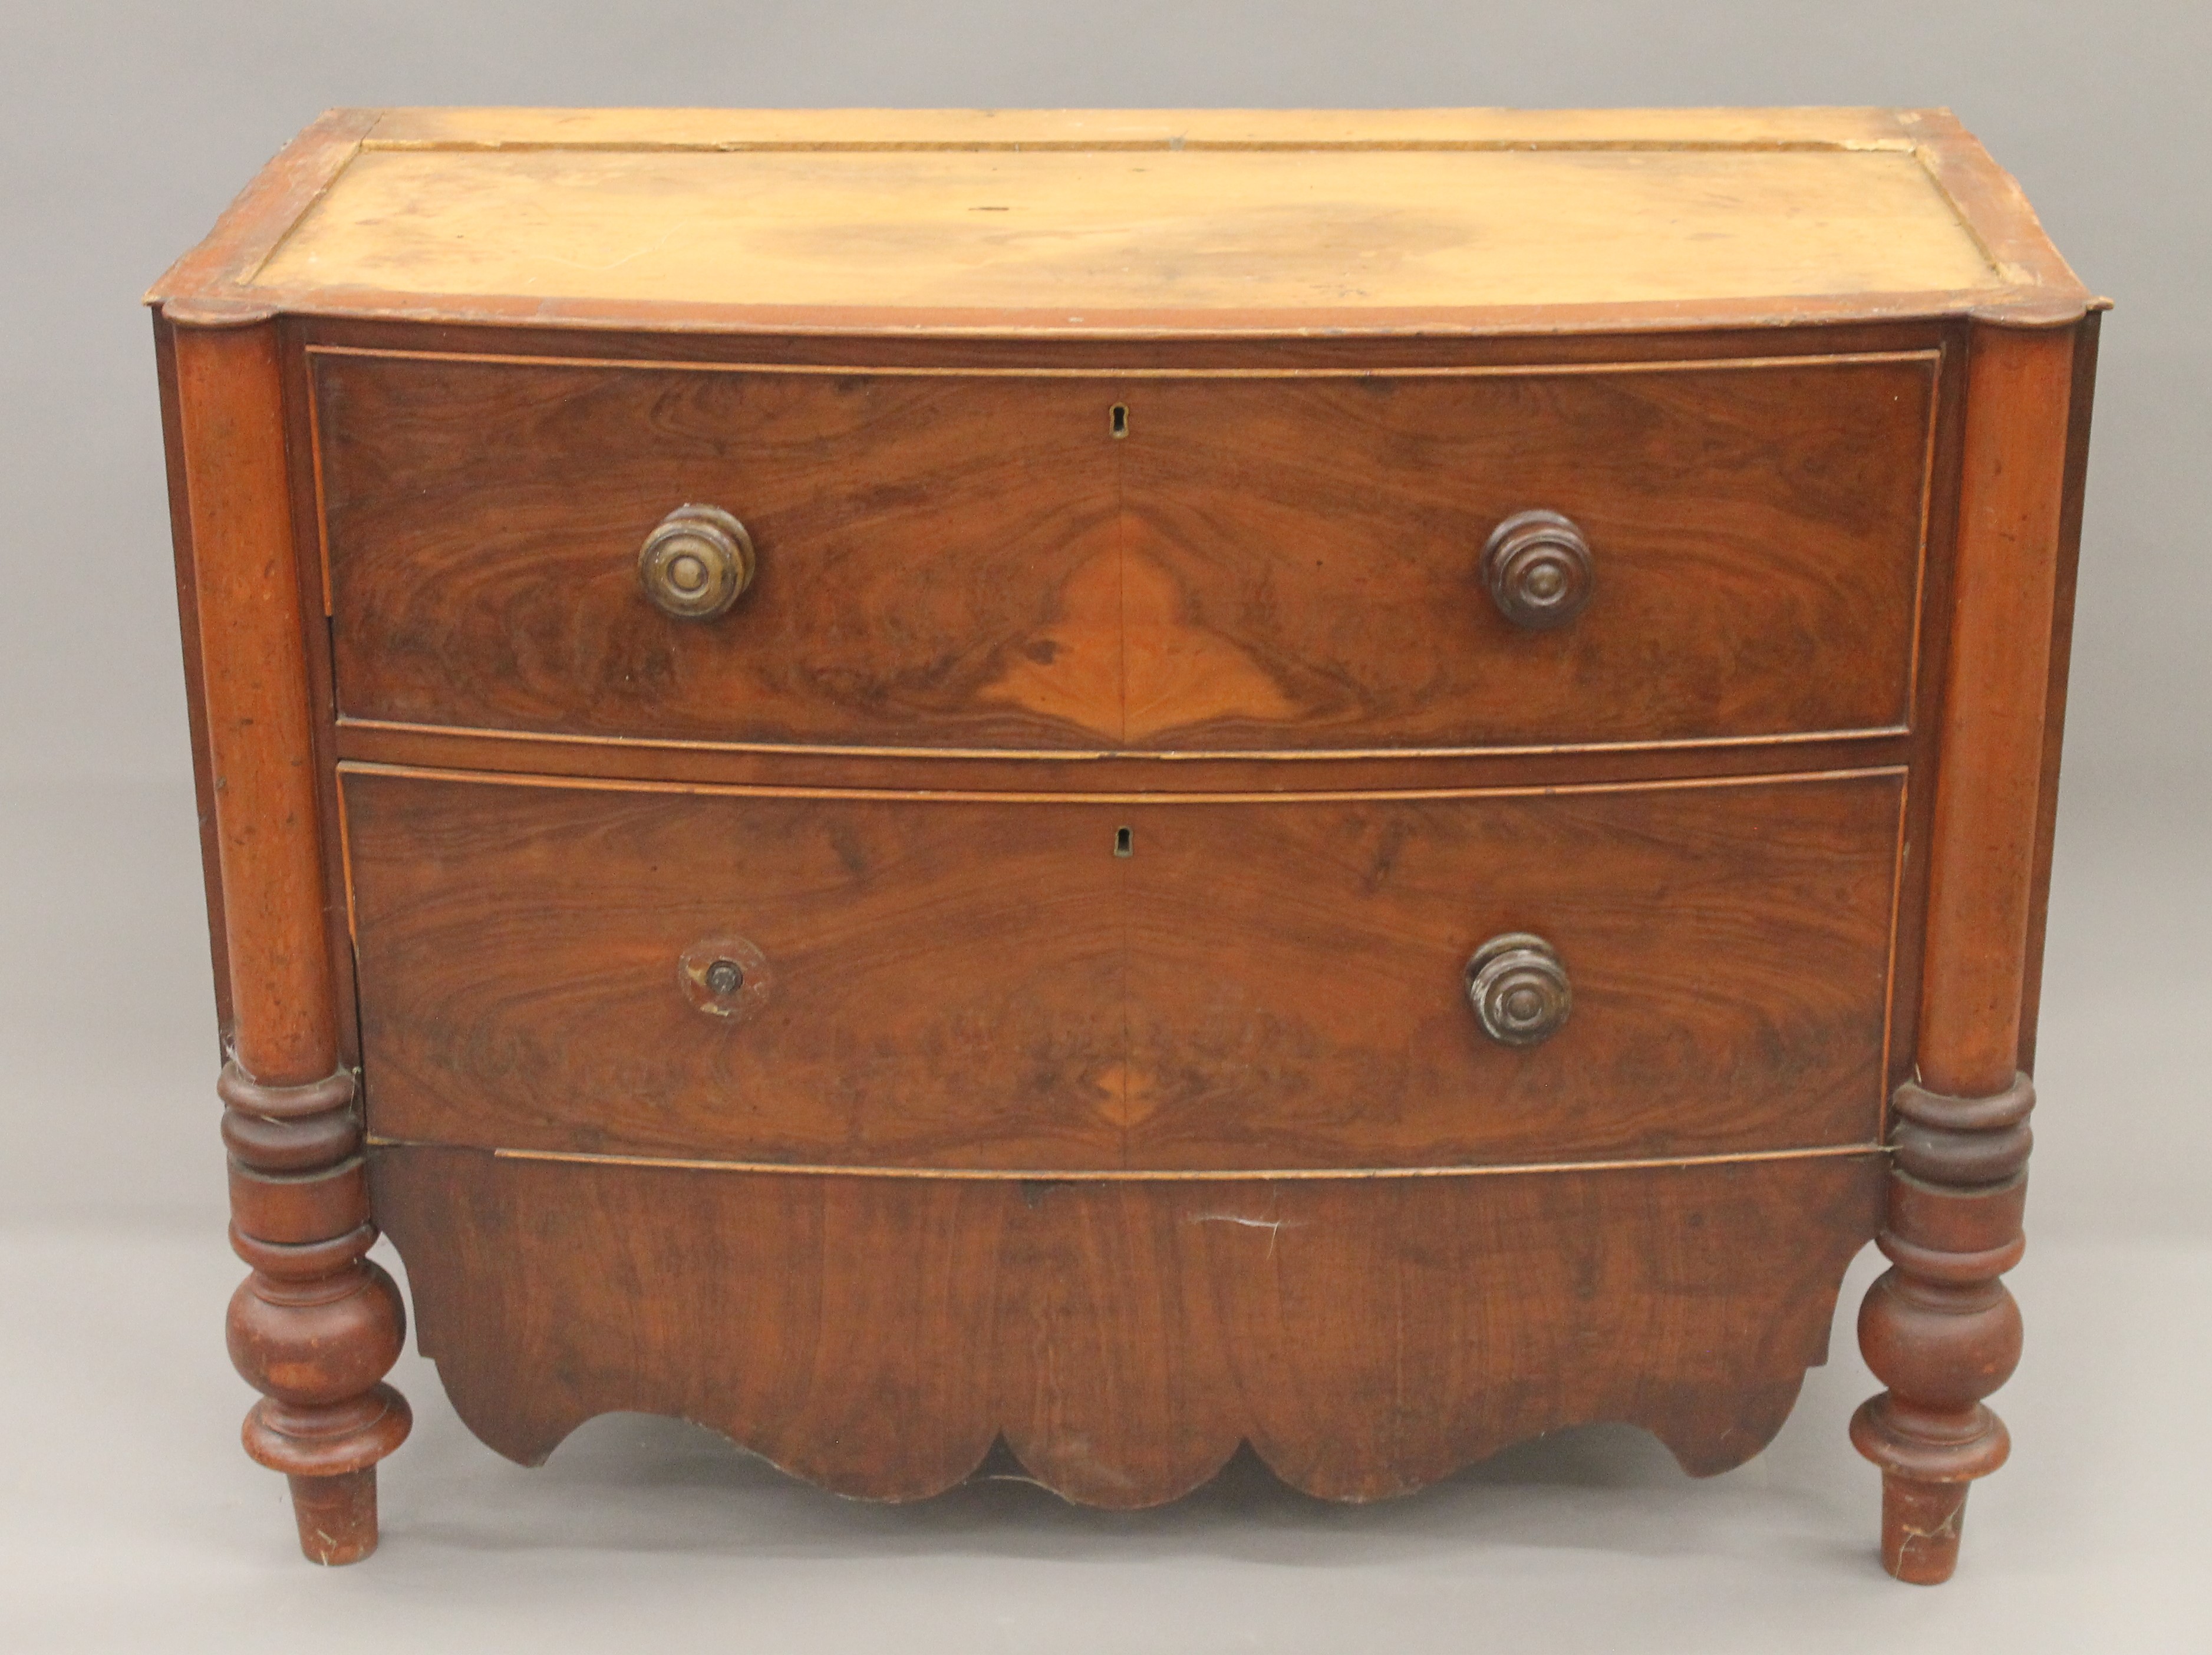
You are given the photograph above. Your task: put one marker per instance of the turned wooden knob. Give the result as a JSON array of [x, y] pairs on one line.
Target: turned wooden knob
[[696, 564], [1537, 566], [1519, 989]]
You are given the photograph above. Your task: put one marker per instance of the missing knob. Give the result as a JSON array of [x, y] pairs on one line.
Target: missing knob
[[725, 977]]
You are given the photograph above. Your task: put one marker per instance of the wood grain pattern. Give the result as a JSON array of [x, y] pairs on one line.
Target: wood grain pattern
[[315, 1326], [2065, 580], [253, 677], [1003, 982], [207, 286], [2011, 508], [1905, 197], [978, 982], [1301, 563], [936, 556], [1991, 204], [1940, 1330], [1260, 564], [188, 628], [877, 1335], [946, 976], [1295, 995], [1072, 230]]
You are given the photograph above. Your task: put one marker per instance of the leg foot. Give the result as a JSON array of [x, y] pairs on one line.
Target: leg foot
[[1920, 1523], [317, 1325], [1938, 1328], [336, 1515]]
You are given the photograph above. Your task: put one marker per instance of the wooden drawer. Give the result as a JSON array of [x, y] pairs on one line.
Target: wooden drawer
[[1260, 563], [989, 981], [1302, 557], [1296, 986], [931, 984], [935, 553]]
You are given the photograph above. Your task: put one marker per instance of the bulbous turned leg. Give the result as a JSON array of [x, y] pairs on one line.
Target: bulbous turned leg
[[1938, 1328], [316, 1326]]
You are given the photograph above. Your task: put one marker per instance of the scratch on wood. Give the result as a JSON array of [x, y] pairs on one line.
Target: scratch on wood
[[1273, 1227]]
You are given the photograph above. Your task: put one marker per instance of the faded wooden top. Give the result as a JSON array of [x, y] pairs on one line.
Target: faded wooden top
[[1100, 221]]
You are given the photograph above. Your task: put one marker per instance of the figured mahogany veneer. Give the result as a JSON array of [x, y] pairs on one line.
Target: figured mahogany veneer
[[1367, 1336], [974, 981], [1123, 782], [976, 560]]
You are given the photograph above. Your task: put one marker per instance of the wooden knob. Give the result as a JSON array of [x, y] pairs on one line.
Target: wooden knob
[[1519, 989], [1537, 566], [696, 564]]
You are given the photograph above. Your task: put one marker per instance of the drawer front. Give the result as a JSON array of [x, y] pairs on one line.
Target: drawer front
[[933, 555], [1304, 558], [924, 985], [1090, 984], [1255, 564], [1298, 986]]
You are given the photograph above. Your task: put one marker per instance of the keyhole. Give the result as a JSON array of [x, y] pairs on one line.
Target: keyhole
[[1125, 843], [1121, 420]]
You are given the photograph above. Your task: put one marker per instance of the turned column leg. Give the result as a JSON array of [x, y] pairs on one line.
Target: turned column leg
[[1939, 1329], [316, 1326]]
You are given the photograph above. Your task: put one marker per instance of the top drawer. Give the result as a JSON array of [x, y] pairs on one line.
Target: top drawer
[[1184, 562]]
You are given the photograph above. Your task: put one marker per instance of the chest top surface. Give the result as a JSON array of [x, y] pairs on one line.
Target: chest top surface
[[1099, 222]]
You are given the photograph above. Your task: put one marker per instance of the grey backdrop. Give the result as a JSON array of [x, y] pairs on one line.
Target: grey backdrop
[[126, 128]]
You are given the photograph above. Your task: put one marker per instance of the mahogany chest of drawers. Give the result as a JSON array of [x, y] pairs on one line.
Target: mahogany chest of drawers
[[1106, 785]]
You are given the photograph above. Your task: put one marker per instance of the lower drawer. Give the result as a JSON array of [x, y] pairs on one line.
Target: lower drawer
[[851, 979]]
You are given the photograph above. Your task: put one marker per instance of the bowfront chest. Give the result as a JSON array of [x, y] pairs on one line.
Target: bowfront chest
[[1096, 786]]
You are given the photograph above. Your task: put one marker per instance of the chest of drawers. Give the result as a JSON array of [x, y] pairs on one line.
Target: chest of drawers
[[1095, 787]]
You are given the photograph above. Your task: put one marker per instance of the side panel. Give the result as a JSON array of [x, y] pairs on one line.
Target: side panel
[[2062, 650], [257, 728], [1989, 788], [188, 621]]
